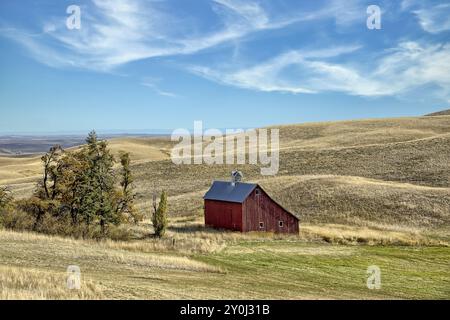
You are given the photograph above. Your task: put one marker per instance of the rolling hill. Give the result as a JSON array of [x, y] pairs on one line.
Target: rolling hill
[[369, 192], [440, 113], [355, 172], [379, 171]]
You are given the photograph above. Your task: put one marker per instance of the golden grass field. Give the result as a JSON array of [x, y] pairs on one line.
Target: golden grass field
[[367, 192]]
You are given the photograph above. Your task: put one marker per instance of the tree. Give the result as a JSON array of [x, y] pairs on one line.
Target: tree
[[98, 192], [5, 202], [52, 170], [126, 197], [5, 198], [90, 182], [159, 217], [72, 184]]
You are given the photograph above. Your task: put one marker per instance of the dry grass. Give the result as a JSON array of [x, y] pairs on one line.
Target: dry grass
[[17, 283], [190, 236], [185, 235], [344, 234], [361, 132], [19, 173], [179, 242], [439, 113], [66, 250], [142, 149], [361, 201]]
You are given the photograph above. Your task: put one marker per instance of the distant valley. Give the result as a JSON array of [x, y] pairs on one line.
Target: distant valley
[[21, 145]]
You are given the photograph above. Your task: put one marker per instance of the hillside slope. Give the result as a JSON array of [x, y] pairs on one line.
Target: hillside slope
[[440, 113], [353, 172]]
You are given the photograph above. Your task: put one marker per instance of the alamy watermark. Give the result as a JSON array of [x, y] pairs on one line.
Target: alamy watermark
[[374, 278], [73, 21], [374, 19], [73, 278], [236, 146]]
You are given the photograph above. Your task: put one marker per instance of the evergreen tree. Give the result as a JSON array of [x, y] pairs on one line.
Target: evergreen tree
[[98, 188], [159, 218]]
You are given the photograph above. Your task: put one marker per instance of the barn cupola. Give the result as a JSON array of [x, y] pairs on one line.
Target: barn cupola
[[236, 177]]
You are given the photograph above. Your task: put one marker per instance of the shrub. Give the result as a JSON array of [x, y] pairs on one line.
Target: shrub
[[16, 220], [159, 218]]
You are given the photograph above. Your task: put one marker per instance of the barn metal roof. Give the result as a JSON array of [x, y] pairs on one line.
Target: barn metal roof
[[225, 191]]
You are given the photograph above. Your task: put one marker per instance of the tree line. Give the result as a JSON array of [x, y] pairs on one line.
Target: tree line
[[81, 194]]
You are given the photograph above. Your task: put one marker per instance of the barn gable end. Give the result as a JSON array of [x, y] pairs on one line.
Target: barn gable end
[[262, 213]]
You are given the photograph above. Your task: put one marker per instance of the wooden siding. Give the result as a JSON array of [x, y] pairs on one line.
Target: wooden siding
[[223, 215], [260, 208]]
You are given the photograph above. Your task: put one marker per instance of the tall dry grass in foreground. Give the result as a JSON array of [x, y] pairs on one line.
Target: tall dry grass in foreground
[[109, 253], [28, 284]]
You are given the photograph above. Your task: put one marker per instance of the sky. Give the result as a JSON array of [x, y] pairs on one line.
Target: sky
[[142, 65]]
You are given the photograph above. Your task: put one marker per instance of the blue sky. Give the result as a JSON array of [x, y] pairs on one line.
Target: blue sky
[[141, 64]]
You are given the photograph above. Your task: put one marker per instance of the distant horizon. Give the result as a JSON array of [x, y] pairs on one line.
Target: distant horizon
[[85, 133], [166, 132]]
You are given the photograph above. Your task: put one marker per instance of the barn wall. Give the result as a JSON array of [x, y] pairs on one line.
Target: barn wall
[[223, 215], [261, 208]]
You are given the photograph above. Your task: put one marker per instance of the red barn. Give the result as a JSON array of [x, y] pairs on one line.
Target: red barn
[[246, 207]]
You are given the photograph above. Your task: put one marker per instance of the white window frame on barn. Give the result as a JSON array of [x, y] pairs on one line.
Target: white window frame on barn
[[261, 225], [280, 224]]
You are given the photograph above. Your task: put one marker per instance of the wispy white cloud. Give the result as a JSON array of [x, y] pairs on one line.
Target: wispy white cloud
[[407, 4], [250, 12], [268, 76], [412, 65], [116, 32], [152, 83], [433, 17], [344, 13], [408, 66]]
